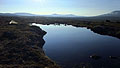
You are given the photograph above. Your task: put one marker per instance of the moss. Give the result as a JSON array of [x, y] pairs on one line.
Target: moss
[[21, 46]]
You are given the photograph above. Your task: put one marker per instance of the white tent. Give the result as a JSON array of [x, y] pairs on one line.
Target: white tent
[[13, 22]]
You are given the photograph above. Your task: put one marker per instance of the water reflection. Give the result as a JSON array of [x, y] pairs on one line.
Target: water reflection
[[71, 47]]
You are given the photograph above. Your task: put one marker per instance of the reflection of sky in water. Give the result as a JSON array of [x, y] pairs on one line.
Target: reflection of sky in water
[[74, 45]]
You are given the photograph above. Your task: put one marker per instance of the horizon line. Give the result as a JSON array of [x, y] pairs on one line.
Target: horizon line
[[57, 13]]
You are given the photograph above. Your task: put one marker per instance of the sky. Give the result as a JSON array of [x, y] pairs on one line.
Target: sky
[[47, 7]]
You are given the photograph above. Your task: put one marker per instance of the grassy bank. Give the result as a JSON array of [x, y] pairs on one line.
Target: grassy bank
[[21, 47]]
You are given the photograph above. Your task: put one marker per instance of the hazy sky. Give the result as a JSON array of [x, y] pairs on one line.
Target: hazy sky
[[43, 7]]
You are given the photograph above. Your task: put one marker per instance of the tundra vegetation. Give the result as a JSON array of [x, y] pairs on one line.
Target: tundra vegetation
[[20, 42], [21, 47], [104, 26]]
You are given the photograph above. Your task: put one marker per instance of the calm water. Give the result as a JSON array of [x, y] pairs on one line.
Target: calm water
[[71, 47]]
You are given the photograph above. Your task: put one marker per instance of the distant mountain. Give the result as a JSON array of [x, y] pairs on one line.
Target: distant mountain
[[17, 14], [112, 14], [7, 14], [25, 14], [60, 15], [29, 14]]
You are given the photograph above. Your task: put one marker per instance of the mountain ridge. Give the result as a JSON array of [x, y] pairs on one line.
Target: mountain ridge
[[111, 14], [29, 14]]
